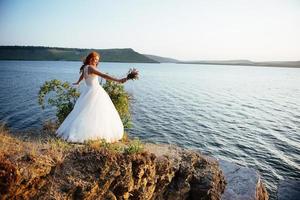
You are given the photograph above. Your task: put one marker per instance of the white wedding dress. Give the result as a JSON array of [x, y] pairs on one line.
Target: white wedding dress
[[93, 117]]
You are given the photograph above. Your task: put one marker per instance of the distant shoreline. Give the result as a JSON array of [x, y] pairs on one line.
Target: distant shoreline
[[246, 64], [70, 54], [125, 55], [228, 64]]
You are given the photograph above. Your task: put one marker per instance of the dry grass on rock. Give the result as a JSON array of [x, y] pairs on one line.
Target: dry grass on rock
[[46, 167]]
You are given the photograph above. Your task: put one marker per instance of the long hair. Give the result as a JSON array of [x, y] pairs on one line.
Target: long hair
[[88, 59]]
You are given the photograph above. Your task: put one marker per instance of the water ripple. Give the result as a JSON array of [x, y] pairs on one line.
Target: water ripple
[[246, 115]]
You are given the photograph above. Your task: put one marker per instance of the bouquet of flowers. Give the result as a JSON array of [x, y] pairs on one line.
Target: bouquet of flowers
[[132, 74]]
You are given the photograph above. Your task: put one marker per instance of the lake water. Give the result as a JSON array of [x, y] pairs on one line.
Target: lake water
[[247, 115]]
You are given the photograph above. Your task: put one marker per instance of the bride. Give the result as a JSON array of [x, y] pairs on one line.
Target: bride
[[94, 115]]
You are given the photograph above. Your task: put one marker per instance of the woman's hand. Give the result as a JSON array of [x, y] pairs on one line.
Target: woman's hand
[[80, 79]]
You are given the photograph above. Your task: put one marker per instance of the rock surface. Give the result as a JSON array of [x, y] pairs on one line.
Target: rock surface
[[43, 171], [288, 190], [243, 183], [196, 176]]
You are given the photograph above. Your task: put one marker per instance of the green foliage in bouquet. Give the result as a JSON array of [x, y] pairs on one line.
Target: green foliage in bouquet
[[64, 98], [120, 99]]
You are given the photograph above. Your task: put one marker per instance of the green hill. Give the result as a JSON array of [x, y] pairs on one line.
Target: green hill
[[70, 54], [161, 59]]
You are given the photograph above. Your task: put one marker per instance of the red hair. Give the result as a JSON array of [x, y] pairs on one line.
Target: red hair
[[88, 59]]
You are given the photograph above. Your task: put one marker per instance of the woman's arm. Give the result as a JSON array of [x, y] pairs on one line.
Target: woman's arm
[[80, 79], [95, 71]]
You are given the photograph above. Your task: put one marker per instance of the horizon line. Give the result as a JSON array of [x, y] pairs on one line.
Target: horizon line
[[202, 60]]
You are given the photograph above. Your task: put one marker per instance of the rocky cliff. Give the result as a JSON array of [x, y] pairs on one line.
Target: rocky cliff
[[53, 169], [40, 166]]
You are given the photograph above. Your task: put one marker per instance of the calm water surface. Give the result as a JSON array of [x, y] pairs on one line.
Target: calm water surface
[[247, 115]]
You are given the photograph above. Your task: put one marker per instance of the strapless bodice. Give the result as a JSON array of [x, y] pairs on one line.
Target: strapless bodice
[[90, 80]]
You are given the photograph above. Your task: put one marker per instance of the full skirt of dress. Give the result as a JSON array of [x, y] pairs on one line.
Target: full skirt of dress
[[93, 117]]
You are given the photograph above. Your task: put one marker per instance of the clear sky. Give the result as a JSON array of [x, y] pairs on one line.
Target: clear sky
[[258, 30]]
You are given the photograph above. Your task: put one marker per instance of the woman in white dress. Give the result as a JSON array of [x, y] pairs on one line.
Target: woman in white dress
[[94, 116]]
